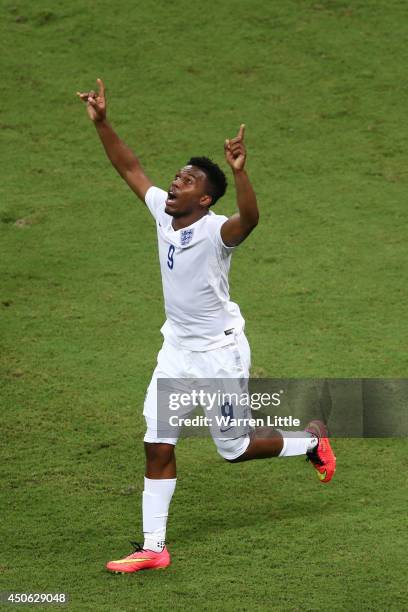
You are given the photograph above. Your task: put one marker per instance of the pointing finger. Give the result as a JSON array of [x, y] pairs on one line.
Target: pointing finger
[[101, 88], [241, 131]]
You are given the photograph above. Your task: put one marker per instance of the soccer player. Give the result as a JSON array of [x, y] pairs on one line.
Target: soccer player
[[204, 331]]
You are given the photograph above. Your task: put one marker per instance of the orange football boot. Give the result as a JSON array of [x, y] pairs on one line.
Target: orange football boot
[[322, 457], [140, 559]]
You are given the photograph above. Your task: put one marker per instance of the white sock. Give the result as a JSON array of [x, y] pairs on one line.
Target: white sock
[[157, 496], [297, 443]]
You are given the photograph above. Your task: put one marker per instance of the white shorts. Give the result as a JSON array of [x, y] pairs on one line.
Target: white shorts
[[228, 362]]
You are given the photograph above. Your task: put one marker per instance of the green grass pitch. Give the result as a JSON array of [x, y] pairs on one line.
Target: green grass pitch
[[322, 88]]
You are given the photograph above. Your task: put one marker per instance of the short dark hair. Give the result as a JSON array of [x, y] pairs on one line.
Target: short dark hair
[[217, 182]]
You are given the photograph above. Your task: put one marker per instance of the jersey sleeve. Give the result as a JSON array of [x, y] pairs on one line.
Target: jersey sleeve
[[215, 225], [155, 199]]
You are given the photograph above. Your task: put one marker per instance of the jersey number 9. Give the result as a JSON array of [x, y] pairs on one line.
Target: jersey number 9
[[170, 254]]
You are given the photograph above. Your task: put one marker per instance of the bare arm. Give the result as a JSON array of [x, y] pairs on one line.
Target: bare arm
[[122, 158], [240, 225]]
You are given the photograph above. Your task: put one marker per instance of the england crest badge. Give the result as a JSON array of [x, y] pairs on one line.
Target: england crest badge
[[186, 236]]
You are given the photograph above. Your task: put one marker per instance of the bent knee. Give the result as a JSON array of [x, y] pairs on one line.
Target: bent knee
[[231, 450], [159, 452]]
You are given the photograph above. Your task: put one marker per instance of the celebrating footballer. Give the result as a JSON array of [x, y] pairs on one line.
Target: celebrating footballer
[[203, 335]]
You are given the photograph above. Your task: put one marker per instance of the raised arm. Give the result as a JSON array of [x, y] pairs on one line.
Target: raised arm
[[121, 157], [240, 225]]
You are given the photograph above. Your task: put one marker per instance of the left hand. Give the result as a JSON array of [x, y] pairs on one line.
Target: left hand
[[235, 152]]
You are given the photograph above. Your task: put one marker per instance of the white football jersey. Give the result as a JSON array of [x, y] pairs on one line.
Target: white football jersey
[[194, 265]]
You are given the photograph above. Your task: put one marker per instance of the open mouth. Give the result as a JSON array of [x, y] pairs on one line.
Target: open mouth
[[171, 197]]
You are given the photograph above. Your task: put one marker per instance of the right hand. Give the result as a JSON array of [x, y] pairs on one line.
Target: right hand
[[95, 102], [235, 152]]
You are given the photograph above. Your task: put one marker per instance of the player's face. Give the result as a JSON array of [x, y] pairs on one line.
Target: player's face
[[188, 193]]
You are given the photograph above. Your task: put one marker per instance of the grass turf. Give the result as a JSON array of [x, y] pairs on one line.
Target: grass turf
[[321, 87]]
